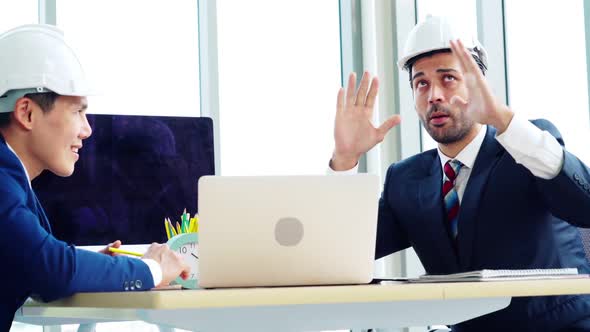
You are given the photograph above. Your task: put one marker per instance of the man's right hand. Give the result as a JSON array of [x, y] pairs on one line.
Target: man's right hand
[[354, 133], [170, 261]]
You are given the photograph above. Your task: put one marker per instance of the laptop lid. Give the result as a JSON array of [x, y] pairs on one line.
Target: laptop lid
[[287, 230]]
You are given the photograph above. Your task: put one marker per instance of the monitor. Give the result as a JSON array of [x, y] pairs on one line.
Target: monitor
[[132, 173]]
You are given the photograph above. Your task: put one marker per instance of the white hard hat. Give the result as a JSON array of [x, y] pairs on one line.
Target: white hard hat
[[435, 33], [36, 58]]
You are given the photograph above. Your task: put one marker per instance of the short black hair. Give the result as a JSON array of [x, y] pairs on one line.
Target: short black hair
[[410, 63], [45, 100]]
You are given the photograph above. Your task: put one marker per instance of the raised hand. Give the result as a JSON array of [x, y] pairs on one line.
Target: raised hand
[[354, 133], [482, 106]]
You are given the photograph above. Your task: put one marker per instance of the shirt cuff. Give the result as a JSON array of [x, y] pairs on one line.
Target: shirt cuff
[[155, 269], [351, 171], [535, 149]]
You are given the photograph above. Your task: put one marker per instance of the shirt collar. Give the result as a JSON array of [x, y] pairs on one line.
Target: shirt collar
[[469, 153], [23, 165]]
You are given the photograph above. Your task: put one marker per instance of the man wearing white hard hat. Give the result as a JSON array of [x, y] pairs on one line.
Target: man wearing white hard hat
[[42, 126], [499, 192]]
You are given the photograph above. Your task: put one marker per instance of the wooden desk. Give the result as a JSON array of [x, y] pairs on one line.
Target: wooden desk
[[298, 308]]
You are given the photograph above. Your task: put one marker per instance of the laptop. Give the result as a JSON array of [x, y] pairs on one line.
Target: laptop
[[287, 230]]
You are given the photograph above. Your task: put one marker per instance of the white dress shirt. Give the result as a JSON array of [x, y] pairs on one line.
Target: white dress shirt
[[155, 268], [535, 149]]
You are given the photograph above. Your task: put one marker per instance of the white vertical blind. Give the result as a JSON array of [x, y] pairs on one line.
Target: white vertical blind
[[279, 73]]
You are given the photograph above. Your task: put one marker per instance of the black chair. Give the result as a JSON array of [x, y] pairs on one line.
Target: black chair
[[585, 235]]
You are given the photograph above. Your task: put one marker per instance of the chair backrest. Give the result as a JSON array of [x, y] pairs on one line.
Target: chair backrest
[[585, 235]]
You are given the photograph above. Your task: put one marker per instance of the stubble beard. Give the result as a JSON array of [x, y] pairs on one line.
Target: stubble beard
[[461, 126]]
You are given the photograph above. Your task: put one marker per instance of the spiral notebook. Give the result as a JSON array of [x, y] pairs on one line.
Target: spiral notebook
[[502, 275]]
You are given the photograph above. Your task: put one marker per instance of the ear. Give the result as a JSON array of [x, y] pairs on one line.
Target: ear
[[23, 113]]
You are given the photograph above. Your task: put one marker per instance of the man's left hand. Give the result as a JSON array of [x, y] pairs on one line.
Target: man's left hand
[[482, 105]]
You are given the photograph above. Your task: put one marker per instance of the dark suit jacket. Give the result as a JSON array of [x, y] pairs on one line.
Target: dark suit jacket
[[34, 262], [509, 219]]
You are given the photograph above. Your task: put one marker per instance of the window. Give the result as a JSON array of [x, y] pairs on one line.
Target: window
[[141, 55], [546, 80], [279, 73], [18, 12], [462, 13]]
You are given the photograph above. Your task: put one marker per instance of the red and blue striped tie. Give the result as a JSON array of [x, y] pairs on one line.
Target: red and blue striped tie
[[451, 198]]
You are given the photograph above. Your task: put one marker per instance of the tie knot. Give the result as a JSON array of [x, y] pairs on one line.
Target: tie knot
[[452, 168]]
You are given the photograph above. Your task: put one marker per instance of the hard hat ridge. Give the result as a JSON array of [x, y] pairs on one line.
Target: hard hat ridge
[[435, 33], [36, 57]]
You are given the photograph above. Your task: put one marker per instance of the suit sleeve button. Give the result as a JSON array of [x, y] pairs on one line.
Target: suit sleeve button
[[138, 284]]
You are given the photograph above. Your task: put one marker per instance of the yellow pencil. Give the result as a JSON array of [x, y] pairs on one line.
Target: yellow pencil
[[167, 230], [126, 252], [191, 225], [171, 227], [178, 229]]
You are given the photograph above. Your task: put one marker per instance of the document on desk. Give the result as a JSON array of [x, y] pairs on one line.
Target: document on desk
[[502, 275]]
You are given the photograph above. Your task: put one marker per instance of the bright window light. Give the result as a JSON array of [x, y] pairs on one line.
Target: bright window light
[[141, 55], [18, 12], [546, 80], [279, 73]]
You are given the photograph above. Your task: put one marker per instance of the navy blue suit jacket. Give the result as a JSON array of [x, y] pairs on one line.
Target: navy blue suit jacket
[[509, 219], [36, 263]]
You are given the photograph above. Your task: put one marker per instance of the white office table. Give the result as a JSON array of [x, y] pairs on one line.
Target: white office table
[[298, 308]]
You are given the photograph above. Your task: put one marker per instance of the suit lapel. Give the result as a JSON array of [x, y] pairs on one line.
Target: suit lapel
[[18, 169], [484, 163], [430, 205]]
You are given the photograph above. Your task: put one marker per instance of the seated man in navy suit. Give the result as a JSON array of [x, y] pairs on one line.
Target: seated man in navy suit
[[499, 192], [42, 126]]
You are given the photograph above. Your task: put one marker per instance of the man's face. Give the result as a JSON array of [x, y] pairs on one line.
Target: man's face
[[58, 134], [435, 80]]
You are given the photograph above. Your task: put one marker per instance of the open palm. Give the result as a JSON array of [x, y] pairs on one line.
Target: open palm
[[482, 106], [354, 133]]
